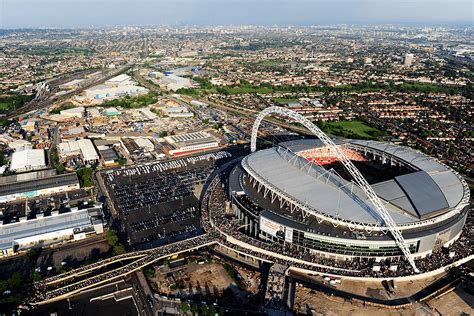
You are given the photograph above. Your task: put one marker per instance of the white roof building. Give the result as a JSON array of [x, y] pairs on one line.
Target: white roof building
[[83, 147], [89, 154], [19, 144], [177, 111], [109, 92], [149, 115], [67, 149], [93, 112], [28, 159], [145, 144], [73, 112], [120, 79], [191, 142]]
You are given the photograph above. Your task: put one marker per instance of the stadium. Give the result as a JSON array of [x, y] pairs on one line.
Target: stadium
[[344, 199]]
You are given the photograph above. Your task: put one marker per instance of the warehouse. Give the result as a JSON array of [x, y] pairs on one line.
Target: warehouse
[[89, 154], [46, 230], [76, 112], [37, 186], [189, 143], [82, 148], [177, 111], [28, 160]]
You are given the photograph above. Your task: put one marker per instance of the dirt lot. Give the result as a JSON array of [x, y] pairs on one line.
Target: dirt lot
[[454, 303], [209, 279], [375, 289], [316, 303], [194, 278]]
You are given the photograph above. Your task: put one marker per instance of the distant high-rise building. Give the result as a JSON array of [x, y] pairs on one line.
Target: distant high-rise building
[[408, 60]]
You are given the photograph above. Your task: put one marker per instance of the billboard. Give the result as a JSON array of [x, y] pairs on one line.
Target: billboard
[[272, 228]]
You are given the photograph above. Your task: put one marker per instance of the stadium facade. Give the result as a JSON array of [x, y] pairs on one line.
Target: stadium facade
[[298, 193]]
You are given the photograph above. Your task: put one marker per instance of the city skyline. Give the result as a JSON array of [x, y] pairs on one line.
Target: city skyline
[[103, 13]]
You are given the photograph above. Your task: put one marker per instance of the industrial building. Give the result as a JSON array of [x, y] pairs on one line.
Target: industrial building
[[173, 82], [28, 160], [82, 148], [76, 112], [119, 86], [47, 229], [122, 79], [112, 111], [177, 112], [145, 144], [189, 143], [35, 184]]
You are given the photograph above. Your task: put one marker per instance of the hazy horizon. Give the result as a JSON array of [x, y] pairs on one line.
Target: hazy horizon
[[105, 13]]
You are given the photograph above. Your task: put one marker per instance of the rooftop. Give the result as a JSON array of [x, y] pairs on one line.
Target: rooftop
[[28, 159], [410, 198]]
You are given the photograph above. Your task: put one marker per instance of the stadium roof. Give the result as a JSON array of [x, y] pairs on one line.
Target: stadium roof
[[411, 197], [309, 190], [448, 183]]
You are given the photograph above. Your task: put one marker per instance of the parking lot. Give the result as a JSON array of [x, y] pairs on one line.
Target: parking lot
[[157, 201]]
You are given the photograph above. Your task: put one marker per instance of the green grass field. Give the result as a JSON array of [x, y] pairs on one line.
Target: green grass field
[[10, 101], [351, 129]]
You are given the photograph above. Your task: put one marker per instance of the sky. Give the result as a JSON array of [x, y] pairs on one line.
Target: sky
[[101, 13]]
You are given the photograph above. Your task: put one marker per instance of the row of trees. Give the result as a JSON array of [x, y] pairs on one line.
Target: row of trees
[[203, 310]]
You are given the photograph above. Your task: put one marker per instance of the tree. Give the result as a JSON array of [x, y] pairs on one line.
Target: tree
[[194, 310], [112, 237], [33, 253], [36, 276], [16, 281], [212, 310], [185, 308], [163, 134], [59, 167], [118, 249], [203, 309], [122, 161], [149, 272]]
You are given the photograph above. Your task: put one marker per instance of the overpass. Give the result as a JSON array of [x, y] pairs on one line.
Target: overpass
[[144, 258]]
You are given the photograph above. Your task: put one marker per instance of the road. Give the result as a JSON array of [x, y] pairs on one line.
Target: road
[[54, 143]]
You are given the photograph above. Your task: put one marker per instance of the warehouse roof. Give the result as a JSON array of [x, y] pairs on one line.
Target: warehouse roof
[[38, 184], [38, 226], [28, 159], [87, 149]]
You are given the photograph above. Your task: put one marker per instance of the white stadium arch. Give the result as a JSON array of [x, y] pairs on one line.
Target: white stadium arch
[[348, 165]]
